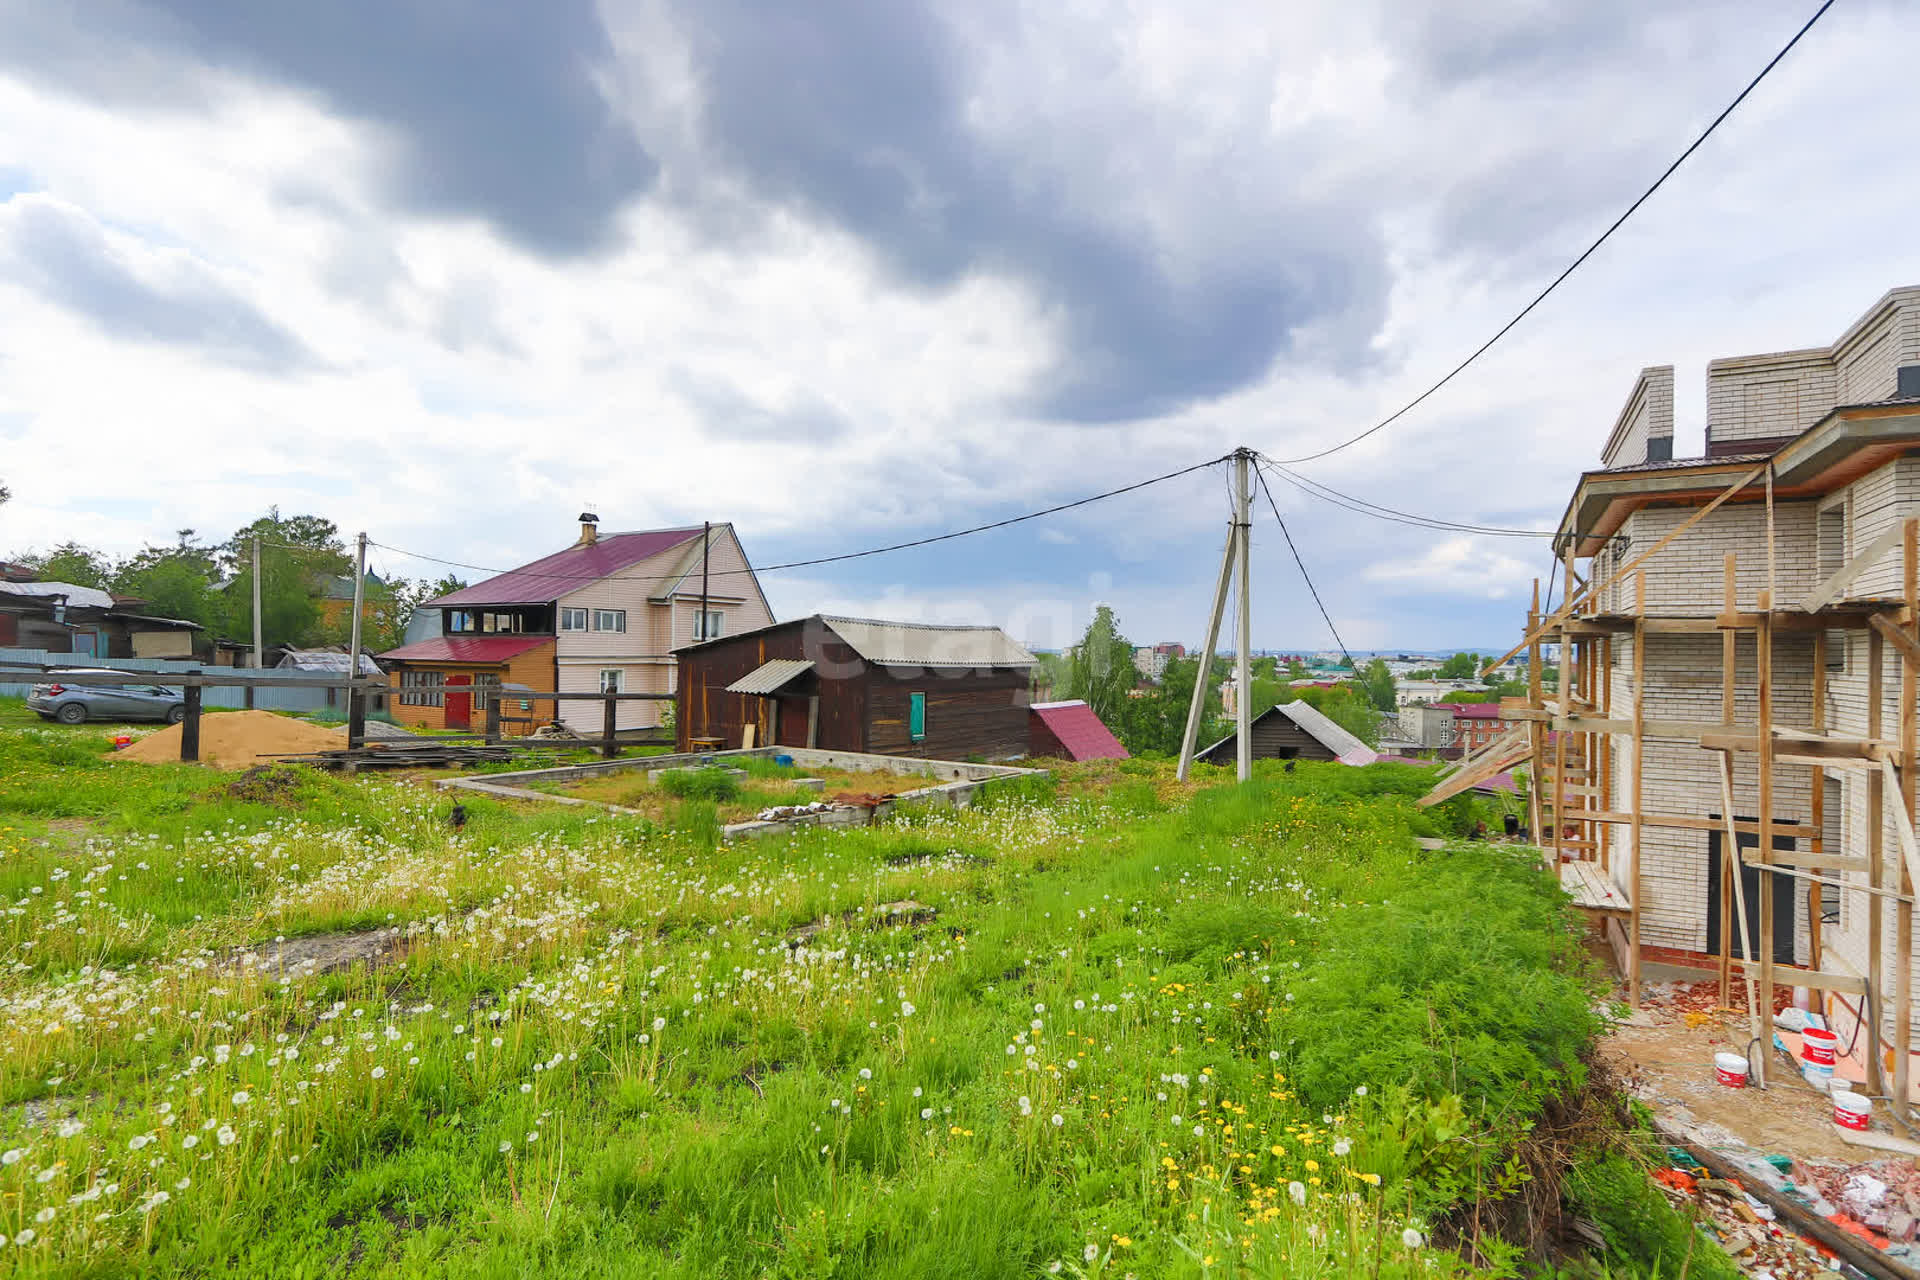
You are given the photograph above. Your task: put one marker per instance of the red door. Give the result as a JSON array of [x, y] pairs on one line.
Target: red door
[[791, 722], [459, 705]]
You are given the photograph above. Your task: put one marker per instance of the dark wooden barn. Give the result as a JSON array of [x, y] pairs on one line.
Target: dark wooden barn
[[853, 684], [1293, 731]]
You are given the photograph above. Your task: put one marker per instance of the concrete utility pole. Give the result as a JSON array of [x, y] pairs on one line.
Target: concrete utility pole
[[1239, 549], [1243, 526], [258, 648], [356, 700]]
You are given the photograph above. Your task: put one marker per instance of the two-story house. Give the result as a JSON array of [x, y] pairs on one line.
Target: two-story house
[[602, 616], [1745, 639]]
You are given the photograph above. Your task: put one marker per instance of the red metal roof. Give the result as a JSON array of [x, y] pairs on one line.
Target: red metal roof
[[1472, 710], [467, 648], [548, 579], [1080, 733]]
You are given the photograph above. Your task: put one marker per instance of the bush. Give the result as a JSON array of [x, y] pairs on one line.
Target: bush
[[712, 784]]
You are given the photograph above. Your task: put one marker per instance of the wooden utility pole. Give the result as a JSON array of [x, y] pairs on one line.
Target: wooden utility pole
[[1243, 527], [356, 700], [258, 648], [706, 545]]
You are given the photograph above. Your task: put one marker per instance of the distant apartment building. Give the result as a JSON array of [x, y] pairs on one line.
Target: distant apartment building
[[1151, 660]]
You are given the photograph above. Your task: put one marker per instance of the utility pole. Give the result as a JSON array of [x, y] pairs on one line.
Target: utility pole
[[258, 648], [1243, 527], [1238, 549], [706, 545], [356, 699]]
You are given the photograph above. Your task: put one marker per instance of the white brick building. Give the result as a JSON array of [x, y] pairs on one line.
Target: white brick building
[[1835, 434]]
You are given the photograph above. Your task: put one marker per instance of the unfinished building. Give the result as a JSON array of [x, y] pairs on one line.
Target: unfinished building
[[1733, 664]]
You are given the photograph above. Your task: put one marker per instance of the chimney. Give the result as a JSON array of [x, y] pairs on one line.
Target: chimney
[[589, 529]]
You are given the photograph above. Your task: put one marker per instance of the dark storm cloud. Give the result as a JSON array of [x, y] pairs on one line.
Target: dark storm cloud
[[854, 110], [66, 259], [492, 109]]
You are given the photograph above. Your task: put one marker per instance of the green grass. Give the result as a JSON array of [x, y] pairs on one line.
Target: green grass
[[1129, 1027]]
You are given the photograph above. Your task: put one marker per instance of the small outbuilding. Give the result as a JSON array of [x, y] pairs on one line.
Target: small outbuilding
[[1071, 731], [1294, 731], [856, 684]]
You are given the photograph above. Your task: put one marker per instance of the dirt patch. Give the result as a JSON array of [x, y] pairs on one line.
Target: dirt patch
[[324, 953], [264, 784], [886, 915], [236, 740]]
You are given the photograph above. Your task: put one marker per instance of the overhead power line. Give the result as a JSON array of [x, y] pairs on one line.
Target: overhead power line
[[1311, 589], [1588, 252], [847, 555], [1361, 506]]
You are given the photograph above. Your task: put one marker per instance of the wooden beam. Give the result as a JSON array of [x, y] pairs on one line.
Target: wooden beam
[[1817, 790], [1903, 639], [1876, 865], [1763, 669], [1467, 779], [1635, 785], [1566, 609], [1784, 745], [1729, 668], [1909, 646], [1729, 856], [1820, 980], [1828, 591], [1686, 822]]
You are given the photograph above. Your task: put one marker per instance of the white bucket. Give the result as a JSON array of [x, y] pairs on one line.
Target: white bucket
[[1730, 1069], [1852, 1110]]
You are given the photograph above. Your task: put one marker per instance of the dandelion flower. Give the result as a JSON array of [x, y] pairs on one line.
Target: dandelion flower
[[505, 1146], [659, 1024], [227, 1136], [866, 1073], [1412, 1239], [926, 1113], [1091, 1252], [533, 1136], [191, 1141], [1341, 1147], [378, 1072], [71, 1128], [45, 1215], [12, 1156], [497, 1042], [1297, 1191], [1371, 1179], [26, 1237], [1360, 1092], [242, 1098]]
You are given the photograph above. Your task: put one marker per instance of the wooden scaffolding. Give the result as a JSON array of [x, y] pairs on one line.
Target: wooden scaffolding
[[1563, 735]]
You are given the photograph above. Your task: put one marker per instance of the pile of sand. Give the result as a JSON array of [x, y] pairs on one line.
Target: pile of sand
[[236, 740]]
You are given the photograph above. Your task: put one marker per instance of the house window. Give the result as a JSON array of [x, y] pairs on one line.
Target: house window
[[708, 625], [613, 680], [1838, 642], [917, 716], [420, 689], [573, 619], [459, 621], [609, 619]]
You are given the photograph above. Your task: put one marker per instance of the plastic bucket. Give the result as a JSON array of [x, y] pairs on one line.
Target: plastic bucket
[[783, 761], [1730, 1069], [1817, 1047], [1852, 1110]]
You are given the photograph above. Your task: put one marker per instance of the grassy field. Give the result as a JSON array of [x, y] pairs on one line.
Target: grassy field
[[1117, 1026]]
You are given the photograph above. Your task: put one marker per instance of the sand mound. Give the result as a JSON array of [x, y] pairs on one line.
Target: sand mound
[[236, 740]]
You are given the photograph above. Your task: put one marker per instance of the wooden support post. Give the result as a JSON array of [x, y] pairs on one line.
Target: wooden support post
[[1763, 665], [1197, 705], [492, 701], [1876, 869], [1729, 669], [1635, 785], [356, 718], [1536, 731], [1730, 857], [1817, 788], [609, 748], [190, 727], [1903, 911], [1565, 653], [1604, 742]]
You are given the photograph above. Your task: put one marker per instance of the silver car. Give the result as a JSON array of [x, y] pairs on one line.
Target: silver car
[[78, 703]]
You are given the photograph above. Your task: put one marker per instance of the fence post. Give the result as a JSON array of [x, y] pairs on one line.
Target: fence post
[[493, 719], [356, 718], [190, 727], [608, 747]]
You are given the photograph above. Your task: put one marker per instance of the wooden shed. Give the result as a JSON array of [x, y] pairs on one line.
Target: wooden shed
[[855, 684], [1294, 731]]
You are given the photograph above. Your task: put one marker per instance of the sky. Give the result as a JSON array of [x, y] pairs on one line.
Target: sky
[[855, 272]]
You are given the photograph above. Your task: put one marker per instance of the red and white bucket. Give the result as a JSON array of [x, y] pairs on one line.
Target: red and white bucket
[[1730, 1069], [1852, 1110], [1817, 1047]]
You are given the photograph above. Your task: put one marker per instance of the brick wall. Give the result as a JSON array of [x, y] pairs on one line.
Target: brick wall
[[1648, 415], [1768, 396], [1684, 579]]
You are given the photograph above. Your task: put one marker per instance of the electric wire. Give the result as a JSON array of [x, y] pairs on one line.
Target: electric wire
[[1311, 589], [1588, 252], [843, 556], [1361, 506]]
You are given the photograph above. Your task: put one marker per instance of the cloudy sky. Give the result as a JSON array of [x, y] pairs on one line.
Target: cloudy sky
[[850, 272]]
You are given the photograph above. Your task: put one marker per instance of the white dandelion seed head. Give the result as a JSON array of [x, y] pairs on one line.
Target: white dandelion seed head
[[1412, 1239], [1297, 1191]]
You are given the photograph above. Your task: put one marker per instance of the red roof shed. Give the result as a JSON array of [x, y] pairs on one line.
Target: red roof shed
[[1071, 731]]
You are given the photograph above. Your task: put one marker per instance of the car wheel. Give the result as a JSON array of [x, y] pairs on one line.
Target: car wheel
[[176, 714], [70, 713]]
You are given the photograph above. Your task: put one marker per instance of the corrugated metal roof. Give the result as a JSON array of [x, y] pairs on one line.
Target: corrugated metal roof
[[79, 597], [550, 578], [323, 660], [467, 649], [1081, 733], [771, 676], [915, 644]]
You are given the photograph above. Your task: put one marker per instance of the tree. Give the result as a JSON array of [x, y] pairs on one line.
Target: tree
[[71, 562], [181, 581], [1152, 723], [1346, 706], [1100, 669], [298, 555], [1377, 682], [1050, 675], [1461, 666]]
